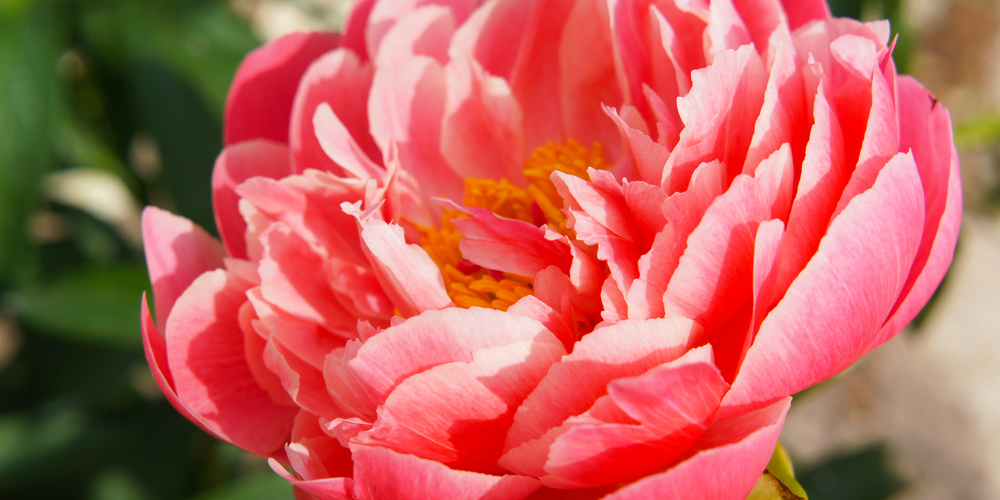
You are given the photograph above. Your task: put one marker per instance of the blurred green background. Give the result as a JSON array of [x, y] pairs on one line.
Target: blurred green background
[[106, 106]]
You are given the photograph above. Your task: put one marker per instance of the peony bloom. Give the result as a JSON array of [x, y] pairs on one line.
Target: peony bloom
[[549, 249]]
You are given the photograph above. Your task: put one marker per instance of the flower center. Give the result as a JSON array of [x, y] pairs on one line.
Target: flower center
[[540, 204]]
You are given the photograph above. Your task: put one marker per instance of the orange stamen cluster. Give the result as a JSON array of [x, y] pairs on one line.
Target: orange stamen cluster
[[470, 285]]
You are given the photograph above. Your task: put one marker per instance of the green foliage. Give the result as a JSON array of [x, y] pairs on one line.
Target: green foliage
[[859, 475]]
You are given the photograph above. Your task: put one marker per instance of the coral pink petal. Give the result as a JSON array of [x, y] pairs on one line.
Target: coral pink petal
[[304, 338], [387, 13], [303, 382], [254, 344], [406, 108], [434, 338], [342, 81], [856, 276], [426, 31], [508, 245], [259, 104], [354, 28], [534, 80], [710, 284], [338, 488], [675, 404], [408, 275], [627, 348], [719, 125], [762, 18], [881, 141], [726, 29], [783, 117], [933, 148], [336, 141], [492, 35], [290, 280], [588, 79], [156, 356], [382, 474], [177, 252], [740, 446], [821, 182], [237, 163], [207, 360], [481, 135], [802, 11], [458, 413], [649, 156], [559, 322]]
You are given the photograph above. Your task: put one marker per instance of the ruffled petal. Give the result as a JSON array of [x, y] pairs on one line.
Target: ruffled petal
[[841, 299], [259, 105], [207, 360], [382, 474], [177, 252]]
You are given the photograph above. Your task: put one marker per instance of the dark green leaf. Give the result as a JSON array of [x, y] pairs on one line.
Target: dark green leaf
[[95, 305]]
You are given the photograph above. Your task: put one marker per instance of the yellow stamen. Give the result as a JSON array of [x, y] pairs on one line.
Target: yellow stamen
[[469, 285]]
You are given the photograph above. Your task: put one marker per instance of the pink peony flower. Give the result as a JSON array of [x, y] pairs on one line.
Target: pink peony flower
[[557, 249]]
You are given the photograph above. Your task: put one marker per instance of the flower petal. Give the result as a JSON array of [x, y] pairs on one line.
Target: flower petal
[[340, 80], [207, 360], [259, 104], [841, 299], [177, 252], [382, 474], [237, 163], [725, 464]]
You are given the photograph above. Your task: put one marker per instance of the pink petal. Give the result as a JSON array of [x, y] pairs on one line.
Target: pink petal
[[406, 109], [711, 284], [783, 117], [309, 204], [340, 146], [254, 344], [881, 141], [259, 104], [726, 29], [428, 340], [649, 157], [355, 24], [534, 80], [492, 35], [382, 474], [458, 413], [559, 322], [673, 404], [290, 281], [802, 11], [587, 76], [508, 245], [719, 114], [426, 31], [177, 252], [821, 182], [481, 135], [207, 360], [627, 348], [684, 211], [156, 356], [304, 383], [340, 80], [338, 488], [762, 18], [937, 161], [725, 464], [841, 299], [407, 274], [313, 454], [234, 165], [387, 13]]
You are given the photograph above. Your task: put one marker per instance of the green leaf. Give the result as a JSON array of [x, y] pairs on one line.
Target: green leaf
[[30, 40], [264, 486], [95, 305], [769, 487], [781, 467]]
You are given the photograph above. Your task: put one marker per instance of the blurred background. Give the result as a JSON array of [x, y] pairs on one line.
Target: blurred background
[[110, 105]]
